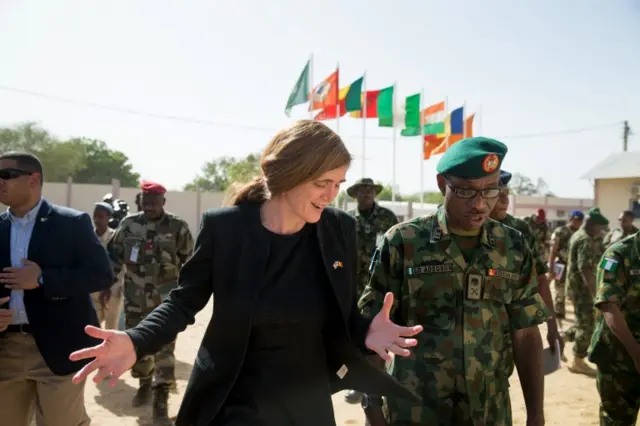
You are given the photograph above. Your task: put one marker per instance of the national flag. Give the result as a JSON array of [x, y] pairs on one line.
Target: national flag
[[372, 105], [468, 126], [438, 144], [325, 93], [454, 126], [433, 119], [385, 107], [348, 100], [300, 92], [412, 116]]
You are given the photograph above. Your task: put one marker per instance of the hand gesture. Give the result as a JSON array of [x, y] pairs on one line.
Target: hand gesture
[[384, 336], [113, 356], [24, 278], [6, 316]]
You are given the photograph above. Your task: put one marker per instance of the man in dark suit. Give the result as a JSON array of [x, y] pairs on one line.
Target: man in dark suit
[[50, 261]]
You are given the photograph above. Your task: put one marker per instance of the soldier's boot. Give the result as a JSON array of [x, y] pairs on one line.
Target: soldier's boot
[[143, 395], [161, 406], [579, 366], [353, 397]]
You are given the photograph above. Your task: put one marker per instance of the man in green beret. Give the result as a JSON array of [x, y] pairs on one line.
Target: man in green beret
[[625, 229], [583, 258], [501, 214], [372, 221], [471, 283], [615, 347]]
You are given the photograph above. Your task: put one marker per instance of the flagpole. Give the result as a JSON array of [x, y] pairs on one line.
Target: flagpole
[[393, 129], [421, 149], [464, 119], [311, 86], [363, 105], [446, 108]]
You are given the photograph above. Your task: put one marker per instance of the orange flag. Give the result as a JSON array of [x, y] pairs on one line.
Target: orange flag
[[326, 93], [433, 145]]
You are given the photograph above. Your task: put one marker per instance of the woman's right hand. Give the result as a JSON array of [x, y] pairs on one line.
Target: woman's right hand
[[113, 356]]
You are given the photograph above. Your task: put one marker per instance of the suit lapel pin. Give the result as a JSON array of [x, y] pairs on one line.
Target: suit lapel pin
[[337, 264], [43, 219]]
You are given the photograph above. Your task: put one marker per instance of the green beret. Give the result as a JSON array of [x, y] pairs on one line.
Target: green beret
[[597, 217], [472, 158]]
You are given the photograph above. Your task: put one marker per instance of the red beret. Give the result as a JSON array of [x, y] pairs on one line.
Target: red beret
[[152, 188], [542, 214]]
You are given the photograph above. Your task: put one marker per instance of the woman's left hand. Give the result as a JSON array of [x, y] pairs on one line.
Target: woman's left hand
[[384, 336]]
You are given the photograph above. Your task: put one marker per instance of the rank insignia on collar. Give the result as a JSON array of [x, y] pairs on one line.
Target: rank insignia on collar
[[337, 264]]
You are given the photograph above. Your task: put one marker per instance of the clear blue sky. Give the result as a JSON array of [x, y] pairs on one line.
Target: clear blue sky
[[533, 67]]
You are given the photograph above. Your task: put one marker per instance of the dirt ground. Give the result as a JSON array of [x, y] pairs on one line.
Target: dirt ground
[[570, 400]]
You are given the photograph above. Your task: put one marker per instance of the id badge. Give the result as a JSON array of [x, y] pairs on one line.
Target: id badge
[[135, 250], [379, 238]]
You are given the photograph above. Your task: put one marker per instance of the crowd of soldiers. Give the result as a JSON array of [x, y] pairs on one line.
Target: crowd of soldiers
[[596, 267], [438, 270]]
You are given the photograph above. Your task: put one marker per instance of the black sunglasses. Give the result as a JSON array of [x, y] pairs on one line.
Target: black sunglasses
[[487, 194], [9, 174]]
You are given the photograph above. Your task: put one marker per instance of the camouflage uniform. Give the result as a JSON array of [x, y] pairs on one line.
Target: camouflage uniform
[[522, 226], [369, 231], [618, 281], [562, 234], [153, 252], [582, 254], [464, 356], [617, 234], [541, 234]]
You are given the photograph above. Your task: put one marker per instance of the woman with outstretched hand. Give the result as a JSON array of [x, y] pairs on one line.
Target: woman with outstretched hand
[[285, 332]]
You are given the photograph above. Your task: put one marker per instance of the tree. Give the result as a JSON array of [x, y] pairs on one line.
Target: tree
[[100, 164], [85, 160], [217, 175], [523, 185]]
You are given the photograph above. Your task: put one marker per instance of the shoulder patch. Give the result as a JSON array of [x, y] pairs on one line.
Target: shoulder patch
[[609, 264]]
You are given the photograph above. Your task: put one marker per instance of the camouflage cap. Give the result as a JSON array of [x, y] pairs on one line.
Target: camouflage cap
[[472, 158], [597, 217], [351, 191], [505, 177]]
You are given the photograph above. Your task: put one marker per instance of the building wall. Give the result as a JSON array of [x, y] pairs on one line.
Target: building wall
[[614, 195], [188, 205], [556, 209]]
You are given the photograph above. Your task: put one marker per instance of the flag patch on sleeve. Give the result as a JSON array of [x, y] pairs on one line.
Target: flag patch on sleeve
[[609, 264]]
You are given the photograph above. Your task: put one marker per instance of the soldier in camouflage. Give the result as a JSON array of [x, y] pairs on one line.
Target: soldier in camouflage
[[625, 229], [615, 347], [581, 275], [558, 257], [471, 283], [501, 214], [538, 224], [372, 221], [153, 244]]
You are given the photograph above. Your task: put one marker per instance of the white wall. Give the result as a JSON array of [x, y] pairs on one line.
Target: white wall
[[613, 196], [189, 205]]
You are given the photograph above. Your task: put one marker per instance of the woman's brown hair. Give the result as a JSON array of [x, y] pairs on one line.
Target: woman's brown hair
[[295, 155]]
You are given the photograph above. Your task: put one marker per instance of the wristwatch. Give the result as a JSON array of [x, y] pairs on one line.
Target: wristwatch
[[371, 401]]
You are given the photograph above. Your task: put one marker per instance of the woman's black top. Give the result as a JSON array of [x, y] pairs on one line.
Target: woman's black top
[[284, 379]]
